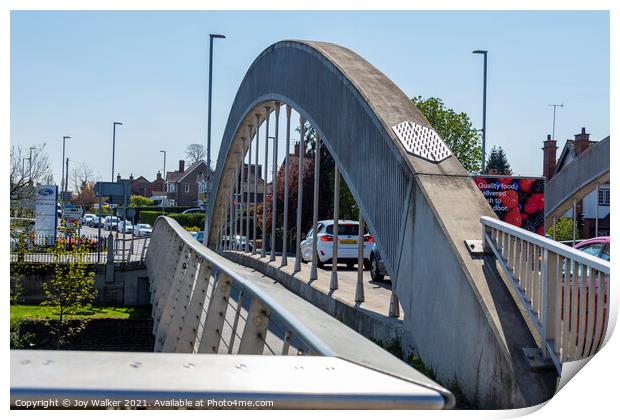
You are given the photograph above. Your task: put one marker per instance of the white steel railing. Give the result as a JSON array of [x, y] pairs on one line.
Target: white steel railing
[[564, 291]]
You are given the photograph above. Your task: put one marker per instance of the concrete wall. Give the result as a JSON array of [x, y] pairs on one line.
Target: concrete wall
[[129, 288]]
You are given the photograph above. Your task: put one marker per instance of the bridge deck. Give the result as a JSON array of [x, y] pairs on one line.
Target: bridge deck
[[377, 294]]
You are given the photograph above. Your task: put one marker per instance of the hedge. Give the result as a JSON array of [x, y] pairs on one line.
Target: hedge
[[185, 220]]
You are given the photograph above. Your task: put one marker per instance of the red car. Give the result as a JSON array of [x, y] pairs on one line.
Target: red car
[[599, 247]]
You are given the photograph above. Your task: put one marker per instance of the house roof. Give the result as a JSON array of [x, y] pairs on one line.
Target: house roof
[[173, 176], [192, 168], [141, 178], [568, 151]]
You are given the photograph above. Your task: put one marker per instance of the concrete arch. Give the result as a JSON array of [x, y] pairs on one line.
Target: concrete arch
[[420, 213], [353, 108]]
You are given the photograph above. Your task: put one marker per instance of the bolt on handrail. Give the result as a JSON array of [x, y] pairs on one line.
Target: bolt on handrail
[[564, 291]]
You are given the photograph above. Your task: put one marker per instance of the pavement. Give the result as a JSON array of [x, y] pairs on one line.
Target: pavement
[[377, 294]]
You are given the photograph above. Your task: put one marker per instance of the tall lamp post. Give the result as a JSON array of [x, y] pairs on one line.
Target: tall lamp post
[[211, 37], [164, 184], [30, 164], [62, 178], [484, 107], [114, 144]]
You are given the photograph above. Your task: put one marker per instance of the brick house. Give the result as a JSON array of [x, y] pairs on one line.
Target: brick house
[[586, 208], [183, 186]]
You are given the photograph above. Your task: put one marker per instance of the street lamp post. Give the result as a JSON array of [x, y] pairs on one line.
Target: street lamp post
[[114, 144], [211, 37], [164, 184], [30, 165], [62, 178], [484, 107]]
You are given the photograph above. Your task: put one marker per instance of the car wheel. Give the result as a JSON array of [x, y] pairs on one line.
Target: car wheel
[[374, 269], [350, 264], [366, 265]]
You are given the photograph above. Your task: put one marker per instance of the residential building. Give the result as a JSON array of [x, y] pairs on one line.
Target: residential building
[[184, 186], [586, 208]]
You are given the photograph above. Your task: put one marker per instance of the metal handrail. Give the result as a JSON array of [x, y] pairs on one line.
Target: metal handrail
[[563, 292], [222, 265], [549, 244]]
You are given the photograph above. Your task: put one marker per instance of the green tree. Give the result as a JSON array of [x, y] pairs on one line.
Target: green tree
[[70, 291], [497, 164], [455, 129], [564, 229], [140, 201]]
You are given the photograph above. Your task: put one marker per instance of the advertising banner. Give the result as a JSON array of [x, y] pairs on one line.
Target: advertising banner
[[46, 215], [519, 201]]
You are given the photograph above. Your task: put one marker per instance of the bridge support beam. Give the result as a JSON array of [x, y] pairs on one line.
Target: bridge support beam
[[333, 284], [255, 186], [315, 208], [286, 170], [300, 185], [274, 186], [359, 287], [263, 250], [247, 193]]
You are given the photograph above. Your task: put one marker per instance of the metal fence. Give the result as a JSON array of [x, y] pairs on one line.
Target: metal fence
[[564, 291], [37, 248]]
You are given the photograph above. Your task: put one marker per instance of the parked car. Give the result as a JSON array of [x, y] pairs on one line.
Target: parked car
[[348, 233], [125, 226], [599, 247], [87, 217], [142, 229], [194, 210], [377, 268], [110, 222], [239, 241], [96, 221]]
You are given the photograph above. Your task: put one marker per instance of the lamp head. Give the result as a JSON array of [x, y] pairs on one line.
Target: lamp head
[[118, 123], [479, 52], [217, 36], [66, 137]]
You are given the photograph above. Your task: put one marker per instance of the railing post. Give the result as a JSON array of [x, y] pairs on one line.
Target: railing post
[[189, 330], [274, 185], [333, 284], [247, 192], [287, 152], [263, 249], [255, 186], [181, 303], [235, 324], [230, 219], [359, 287], [315, 209], [255, 331], [216, 314], [171, 298], [235, 207], [300, 165], [549, 298], [241, 198]]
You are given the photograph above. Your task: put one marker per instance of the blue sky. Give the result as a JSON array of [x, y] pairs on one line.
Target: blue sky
[[73, 73]]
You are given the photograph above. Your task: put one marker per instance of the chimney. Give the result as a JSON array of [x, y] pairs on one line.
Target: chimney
[[181, 166], [549, 157], [296, 152], [158, 175], [131, 177], [582, 142], [118, 177]]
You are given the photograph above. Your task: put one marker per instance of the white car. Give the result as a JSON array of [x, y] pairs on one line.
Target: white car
[[111, 222], [87, 218], [142, 229], [125, 226], [348, 235]]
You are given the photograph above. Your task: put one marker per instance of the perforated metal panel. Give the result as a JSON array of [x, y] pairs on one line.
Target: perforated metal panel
[[422, 141]]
